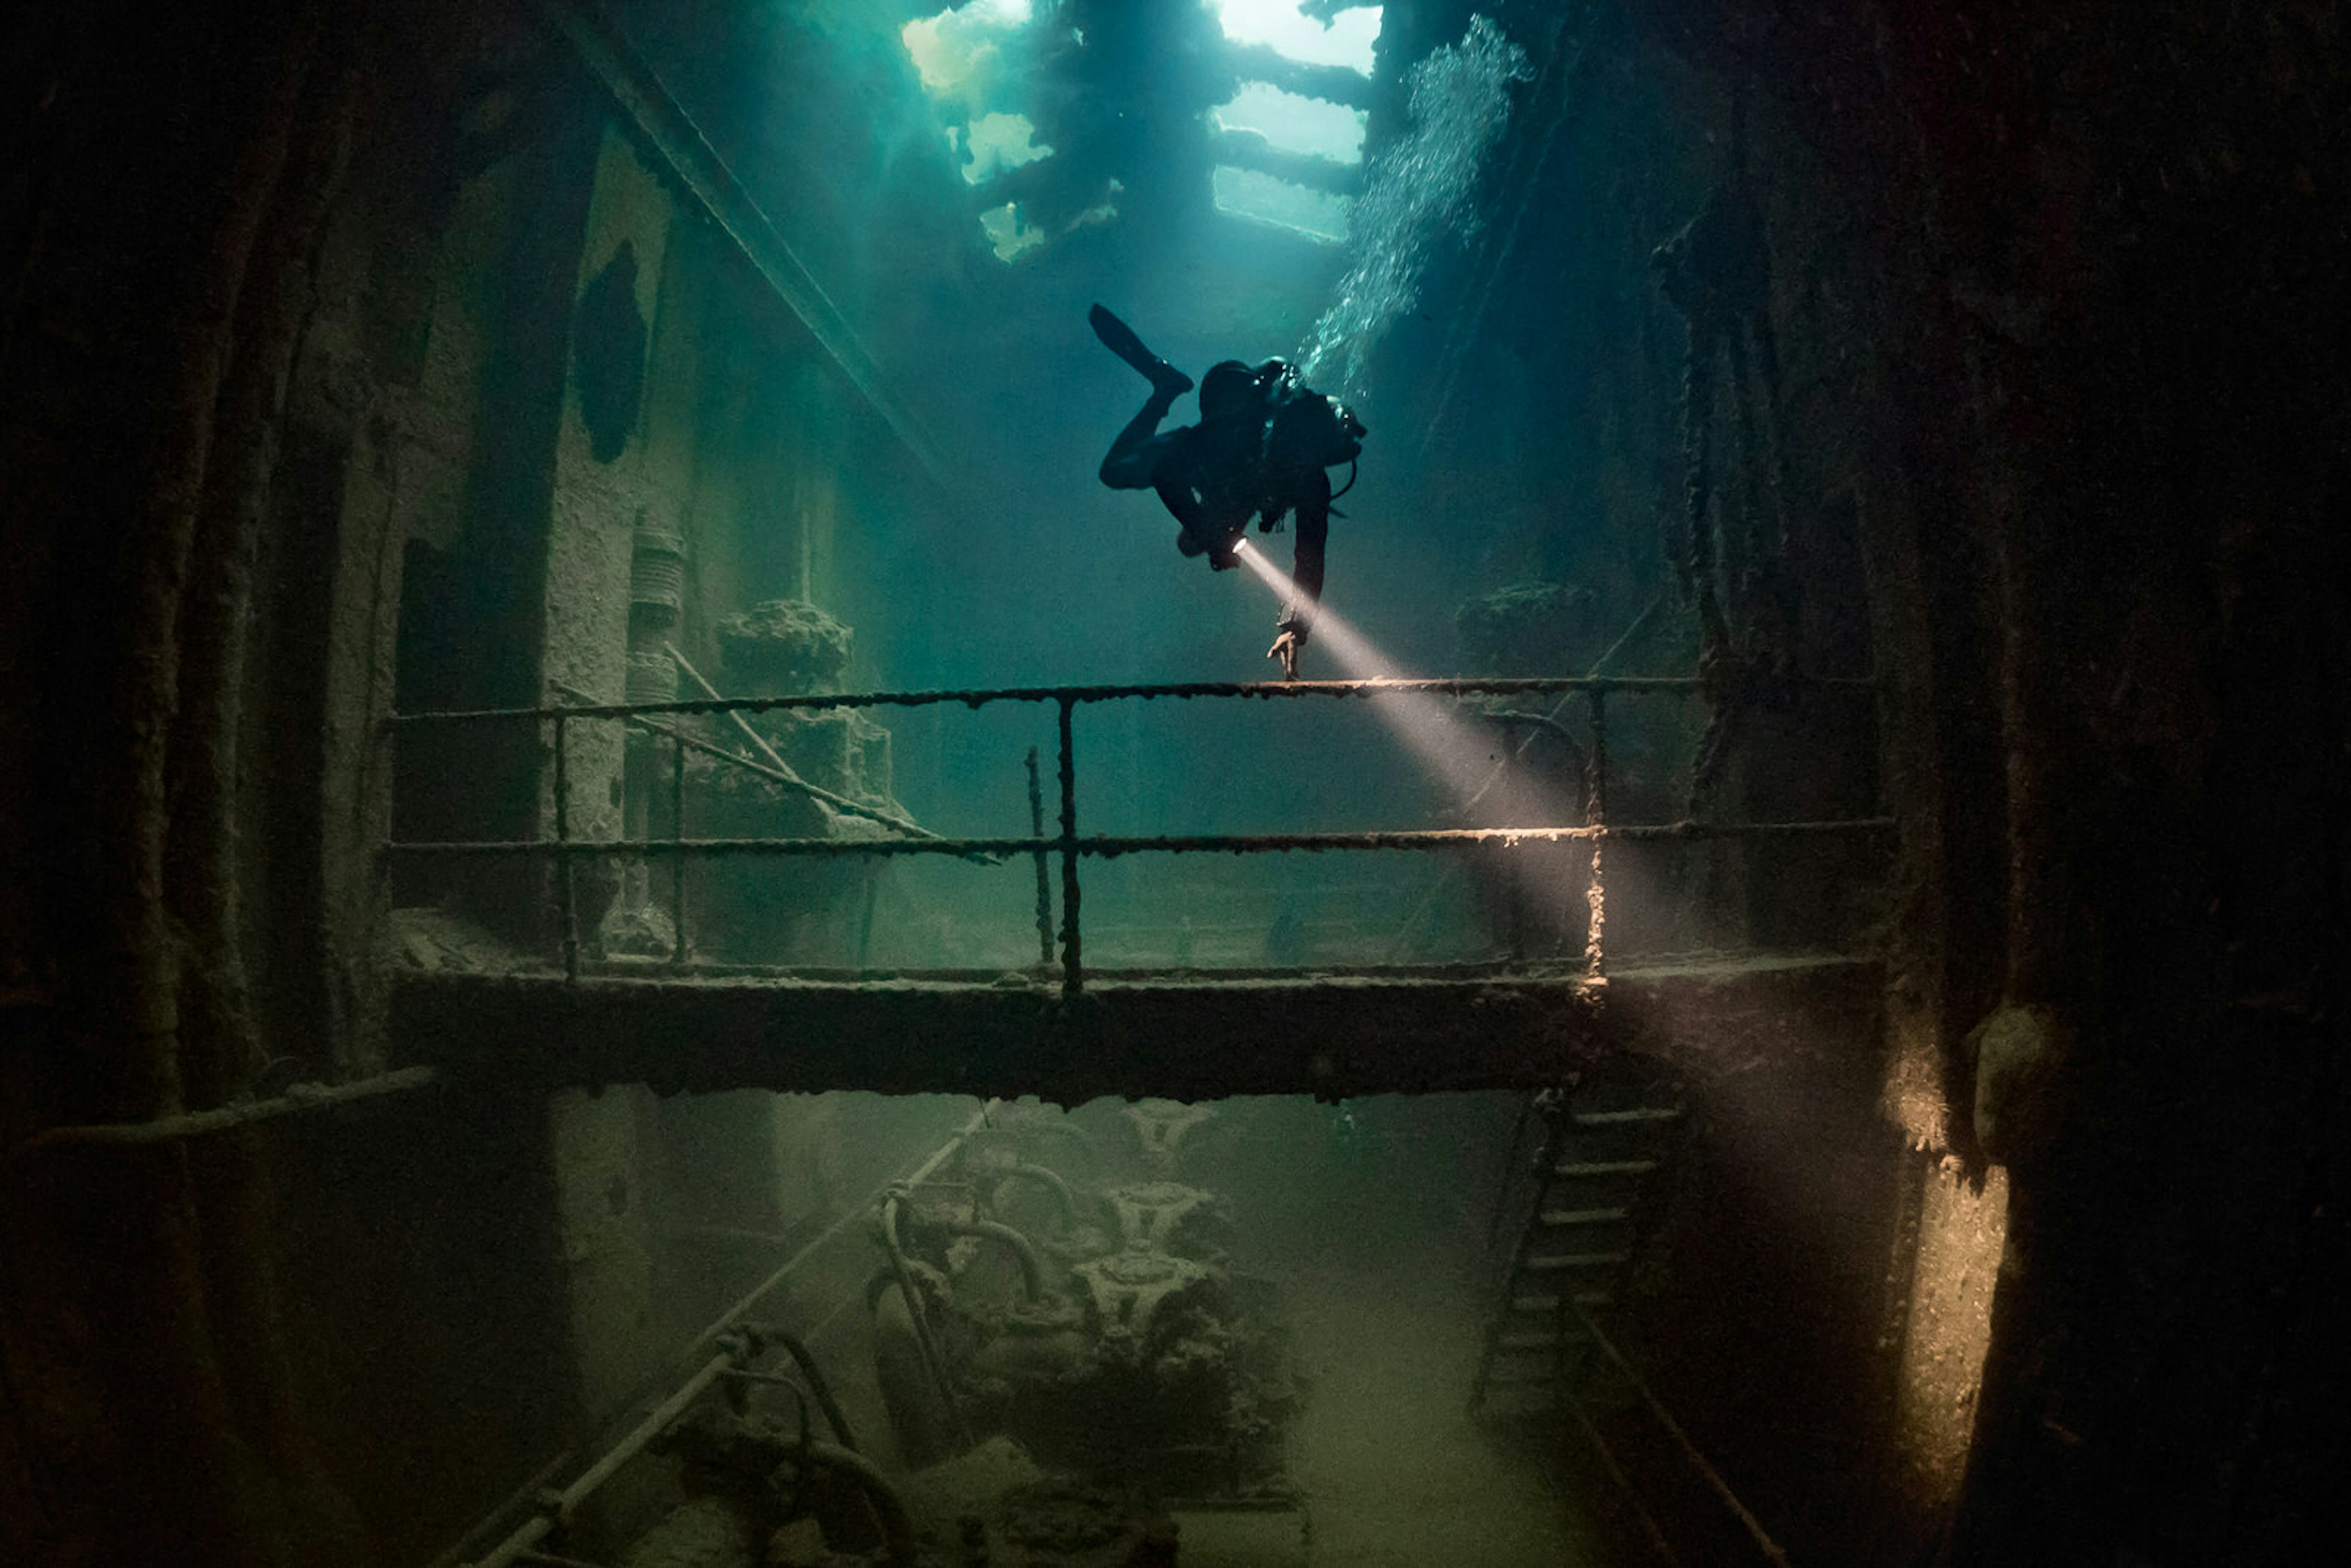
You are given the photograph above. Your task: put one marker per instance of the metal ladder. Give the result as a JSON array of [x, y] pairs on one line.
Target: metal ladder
[[1595, 1168]]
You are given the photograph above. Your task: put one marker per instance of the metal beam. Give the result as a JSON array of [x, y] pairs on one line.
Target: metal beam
[[1185, 1037], [299, 1099], [1338, 84], [1254, 150]]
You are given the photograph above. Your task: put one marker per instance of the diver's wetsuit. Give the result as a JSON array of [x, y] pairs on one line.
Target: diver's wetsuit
[[1218, 474]]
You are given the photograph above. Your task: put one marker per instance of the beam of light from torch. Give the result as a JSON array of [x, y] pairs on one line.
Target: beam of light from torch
[[1460, 756]]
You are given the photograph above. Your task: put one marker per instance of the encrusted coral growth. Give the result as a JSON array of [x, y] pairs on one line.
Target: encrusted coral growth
[[783, 646]]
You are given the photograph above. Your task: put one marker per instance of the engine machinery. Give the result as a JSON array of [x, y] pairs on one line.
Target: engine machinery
[[1097, 1322]]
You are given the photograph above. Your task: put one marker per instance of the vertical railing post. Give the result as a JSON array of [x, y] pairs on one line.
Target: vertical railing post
[[1072, 964], [677, 856], [1044, 885], [566, 896], [1596, 817], [1514, 874]]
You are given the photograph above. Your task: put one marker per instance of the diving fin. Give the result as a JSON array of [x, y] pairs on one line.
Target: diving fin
[[1120, 339]]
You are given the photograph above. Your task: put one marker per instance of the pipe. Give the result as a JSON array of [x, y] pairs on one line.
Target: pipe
[[779, 773], [783, 770], [220, 1118], [737, 1379], [557, 1509], [1032, 1268], [897, 1526], [797, 1348], [529, 1534], [1614, 1470], [1664, 1418], [536, 1487], [1565, 698], [742, 1309], [1516, 718], [665, 1414], [1052, 1179], [932, 1364]]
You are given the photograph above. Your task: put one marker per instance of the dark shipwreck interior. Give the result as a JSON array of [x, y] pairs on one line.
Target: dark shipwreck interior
[[645, 922]]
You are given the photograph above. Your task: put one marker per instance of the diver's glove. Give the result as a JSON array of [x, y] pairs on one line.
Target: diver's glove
[[1287, 647]]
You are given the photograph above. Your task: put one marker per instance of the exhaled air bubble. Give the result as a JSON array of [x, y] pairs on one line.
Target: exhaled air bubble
[[1416, 189]]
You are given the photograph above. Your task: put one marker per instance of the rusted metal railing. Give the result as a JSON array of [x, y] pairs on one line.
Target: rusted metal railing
[[1071, 847]]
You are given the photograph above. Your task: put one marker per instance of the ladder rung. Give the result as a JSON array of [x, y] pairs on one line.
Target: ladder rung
[[1577, 1261], [1556, 1218], [1519, 1377], [1605, 1168], [1550, 1304], [1614, 1118], [1526, 1341]]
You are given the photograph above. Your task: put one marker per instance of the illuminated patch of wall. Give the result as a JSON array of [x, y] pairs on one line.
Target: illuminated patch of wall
[[1962, 1233]]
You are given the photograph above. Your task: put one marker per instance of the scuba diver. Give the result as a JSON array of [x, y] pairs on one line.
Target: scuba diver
[[1259, 450]]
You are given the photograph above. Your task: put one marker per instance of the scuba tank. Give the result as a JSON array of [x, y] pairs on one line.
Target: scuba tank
[[1300, 420], [1312, 425]]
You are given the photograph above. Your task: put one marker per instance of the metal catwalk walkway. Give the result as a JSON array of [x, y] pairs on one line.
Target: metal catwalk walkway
[[1333, 1033], [1067, 1029]]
